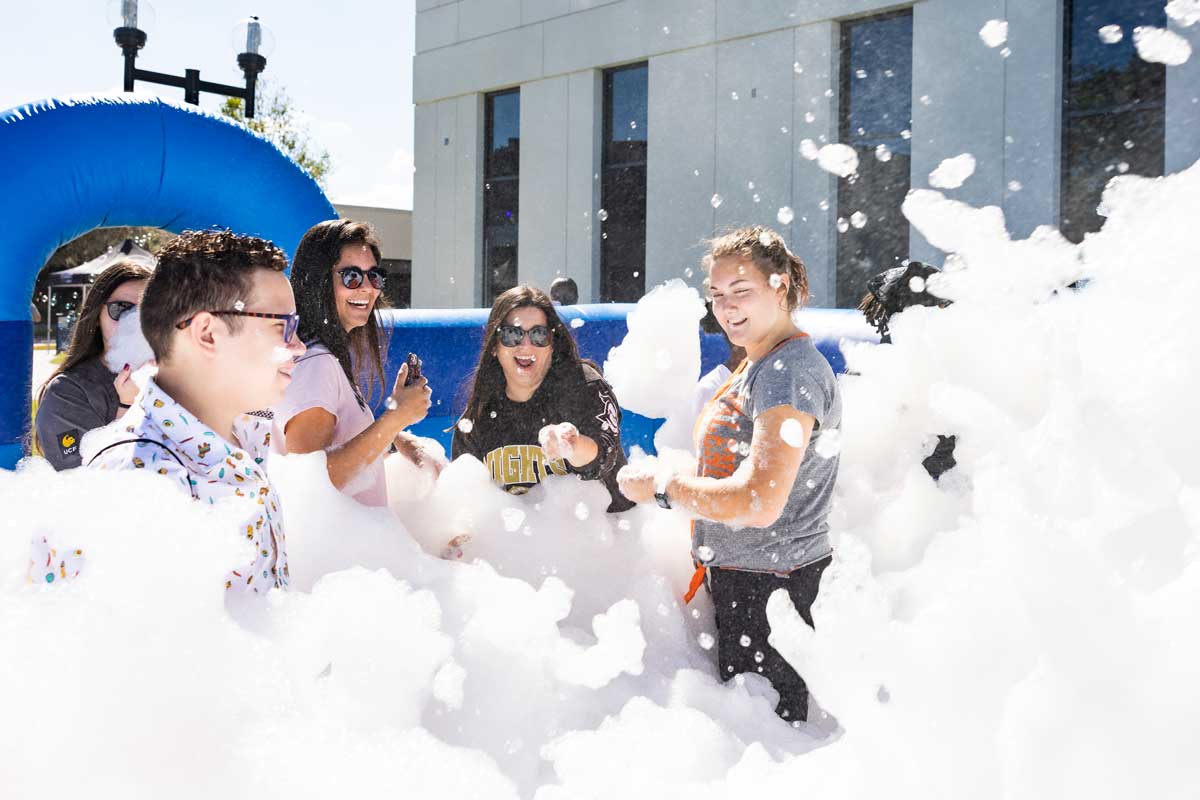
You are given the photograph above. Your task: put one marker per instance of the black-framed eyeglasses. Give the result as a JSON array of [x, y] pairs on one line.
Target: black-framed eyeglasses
[[352, 277], [290, 321], [512, 335], [118, 308]]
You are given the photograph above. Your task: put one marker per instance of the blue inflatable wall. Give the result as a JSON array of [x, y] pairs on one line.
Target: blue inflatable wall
[[448, 342], [70, 166]]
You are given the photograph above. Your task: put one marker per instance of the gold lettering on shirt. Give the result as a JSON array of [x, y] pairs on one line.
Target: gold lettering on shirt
[[516, 464], [512, 464]]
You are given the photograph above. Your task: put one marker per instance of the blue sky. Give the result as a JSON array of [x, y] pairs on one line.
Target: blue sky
[[347, 65]]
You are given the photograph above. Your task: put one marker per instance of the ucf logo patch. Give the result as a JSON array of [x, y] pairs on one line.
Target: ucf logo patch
[[68, 443]]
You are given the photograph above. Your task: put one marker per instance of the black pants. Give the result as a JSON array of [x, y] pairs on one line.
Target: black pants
[[740, 599]]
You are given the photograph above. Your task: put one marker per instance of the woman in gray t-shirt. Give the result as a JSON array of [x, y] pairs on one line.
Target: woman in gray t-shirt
[[84, 393], [767, 454]]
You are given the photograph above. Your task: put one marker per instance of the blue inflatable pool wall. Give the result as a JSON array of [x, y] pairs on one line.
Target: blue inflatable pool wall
[[71, 165], [448, 342], [77, 164]]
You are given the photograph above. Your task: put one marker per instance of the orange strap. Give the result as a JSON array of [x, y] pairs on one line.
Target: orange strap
[[701, 570], [733, 376], [694, 586]]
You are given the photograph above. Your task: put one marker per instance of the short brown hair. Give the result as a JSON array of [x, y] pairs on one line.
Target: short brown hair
[[766, 249], [202, 271]]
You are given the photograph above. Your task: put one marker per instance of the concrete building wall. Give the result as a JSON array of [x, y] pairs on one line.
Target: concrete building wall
[[393, 225], [559, 193], [780, 58], [1032, 139], [447, 207], [1183, 105], [681, 162], [814, 92]]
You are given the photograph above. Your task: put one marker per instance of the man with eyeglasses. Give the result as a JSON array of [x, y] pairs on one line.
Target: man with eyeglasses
[[221, 319]]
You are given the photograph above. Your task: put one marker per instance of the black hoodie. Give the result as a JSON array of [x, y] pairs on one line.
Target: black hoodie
[[505, 438]]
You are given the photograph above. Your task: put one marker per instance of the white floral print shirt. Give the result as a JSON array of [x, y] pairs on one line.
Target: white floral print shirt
[[210, 468]]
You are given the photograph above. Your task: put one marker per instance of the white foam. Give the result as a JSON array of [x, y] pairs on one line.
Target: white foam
[[951, 173], [839, 159], [654, 370], [1184, 12], [1024, 628], [1161, 46], [128, 345], [994, 32]]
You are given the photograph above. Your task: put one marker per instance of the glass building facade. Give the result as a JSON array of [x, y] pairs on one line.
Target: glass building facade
[[623, 184], [875, 118], [501, 191], [1114, 105]]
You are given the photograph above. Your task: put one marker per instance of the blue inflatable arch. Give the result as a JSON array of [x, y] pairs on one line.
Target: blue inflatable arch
[[72, 165]]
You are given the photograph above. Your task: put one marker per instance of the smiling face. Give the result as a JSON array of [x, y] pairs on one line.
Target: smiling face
[[354, 306], [129, 292], [746, 304], [255, 360], [525, 366]]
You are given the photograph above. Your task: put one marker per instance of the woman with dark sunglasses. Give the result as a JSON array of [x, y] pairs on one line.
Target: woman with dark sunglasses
[[535, 408], [83, 393], [339, 288]]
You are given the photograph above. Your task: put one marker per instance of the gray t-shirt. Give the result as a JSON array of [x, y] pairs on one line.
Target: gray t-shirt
[[74, 403], [794, 374]]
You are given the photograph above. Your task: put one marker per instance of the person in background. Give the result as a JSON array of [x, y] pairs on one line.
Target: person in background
[[535, 407], [765, 477], [339, 287], [890, 293], [220, 317], [564, 292], [83, 393]]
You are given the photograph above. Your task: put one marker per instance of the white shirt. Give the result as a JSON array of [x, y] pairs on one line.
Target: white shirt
[[209, 468]]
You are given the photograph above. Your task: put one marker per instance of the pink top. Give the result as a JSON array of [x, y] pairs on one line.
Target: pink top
[[319, 382]]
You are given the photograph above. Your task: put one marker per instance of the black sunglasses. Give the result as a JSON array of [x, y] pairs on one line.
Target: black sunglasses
[[119, 308], [512, 335], [290, 321], [352, 277]]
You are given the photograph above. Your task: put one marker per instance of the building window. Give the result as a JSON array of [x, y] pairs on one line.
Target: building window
[[623, 185], [501, 184], [398, 289], [875, 117], [1114, 104]]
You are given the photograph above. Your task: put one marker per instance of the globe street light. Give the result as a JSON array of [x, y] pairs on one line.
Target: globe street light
[[250, 36]]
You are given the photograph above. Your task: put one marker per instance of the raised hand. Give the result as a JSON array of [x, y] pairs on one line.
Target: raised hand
[[559, 441], [409, 403]]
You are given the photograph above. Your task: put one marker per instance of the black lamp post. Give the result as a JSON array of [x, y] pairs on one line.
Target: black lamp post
[[252, 60]]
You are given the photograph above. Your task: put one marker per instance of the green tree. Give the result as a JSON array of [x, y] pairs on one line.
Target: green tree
[[96, 241], [276, 120]]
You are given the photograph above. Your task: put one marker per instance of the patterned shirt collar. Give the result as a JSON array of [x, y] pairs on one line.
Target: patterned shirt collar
[[199, 445]]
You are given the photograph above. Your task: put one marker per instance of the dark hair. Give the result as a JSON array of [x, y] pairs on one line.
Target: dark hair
[[564, 291], [766, 249], [488, 379], [362, 351], [87, 342], [202, 271], [891, 292]]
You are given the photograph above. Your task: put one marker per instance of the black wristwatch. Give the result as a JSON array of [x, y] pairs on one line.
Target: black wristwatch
[[662, 499]]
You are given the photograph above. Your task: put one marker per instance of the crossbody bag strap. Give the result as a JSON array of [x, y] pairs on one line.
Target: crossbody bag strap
[[170, 452]]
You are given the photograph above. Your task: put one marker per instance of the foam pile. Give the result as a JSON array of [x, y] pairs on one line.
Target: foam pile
[[1026, 628]]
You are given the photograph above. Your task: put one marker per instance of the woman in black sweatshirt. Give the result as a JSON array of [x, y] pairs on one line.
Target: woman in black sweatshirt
[[535, 408]]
